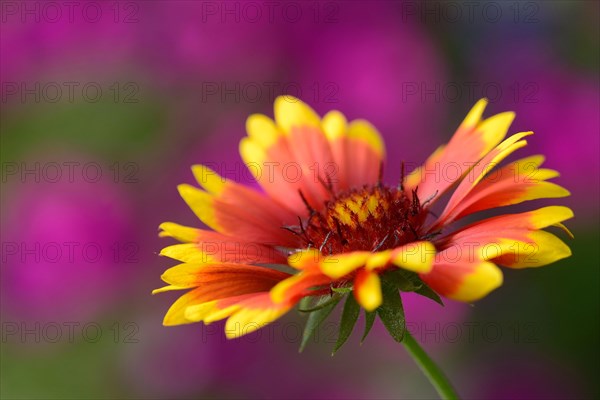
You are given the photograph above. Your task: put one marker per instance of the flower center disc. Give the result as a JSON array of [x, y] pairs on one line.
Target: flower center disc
[[373, 218]]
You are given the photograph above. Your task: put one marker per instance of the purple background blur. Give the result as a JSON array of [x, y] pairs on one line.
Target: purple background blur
[[105, 105]]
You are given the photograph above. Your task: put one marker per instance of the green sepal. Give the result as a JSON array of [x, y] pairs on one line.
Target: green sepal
[[407, 281], [428, 292], [322, 303], [391, 311], [316, 317], [403, 280], [369, 321], [349, 318], [342, 290], [305, 303]]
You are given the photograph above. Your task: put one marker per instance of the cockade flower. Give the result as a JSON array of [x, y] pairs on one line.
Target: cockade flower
[[325, 226]]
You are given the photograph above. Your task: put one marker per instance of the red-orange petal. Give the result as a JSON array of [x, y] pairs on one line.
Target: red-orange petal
[[367, 289], [218, 282], [478, 171], [463, 280], [472, 141]]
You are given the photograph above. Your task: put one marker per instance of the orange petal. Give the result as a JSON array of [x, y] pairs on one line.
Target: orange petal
[[291, 112], [335, 127], [306, 259], [285, 168], [213, 287], [262, 130], [311, 164], [512, 240], [526, 250], [517, 182], [478, 171], [473, 140], [234, 220], [179, 232], [297, 286], [367, 289], [254, 313], [339, 265], [241, 196], [365, 152], [493, 227], [301, 153], [416, 256], [199, 274], [212, 247], [504, 194], [463, 280]]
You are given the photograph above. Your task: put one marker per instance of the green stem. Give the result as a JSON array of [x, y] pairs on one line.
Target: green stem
[[429, 368]]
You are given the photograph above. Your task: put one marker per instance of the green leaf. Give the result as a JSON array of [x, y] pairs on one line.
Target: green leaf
[[323, 302], [349, 317], [391, 311], [369, 320], [315, 318], [342, 290], [403, 280], [305, 303], [429, 293], [407, 281]]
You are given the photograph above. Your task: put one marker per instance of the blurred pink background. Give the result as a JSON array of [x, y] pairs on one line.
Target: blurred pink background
[[143, 90]]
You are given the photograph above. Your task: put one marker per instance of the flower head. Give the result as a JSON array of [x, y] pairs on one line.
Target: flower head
[[325, 212]]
